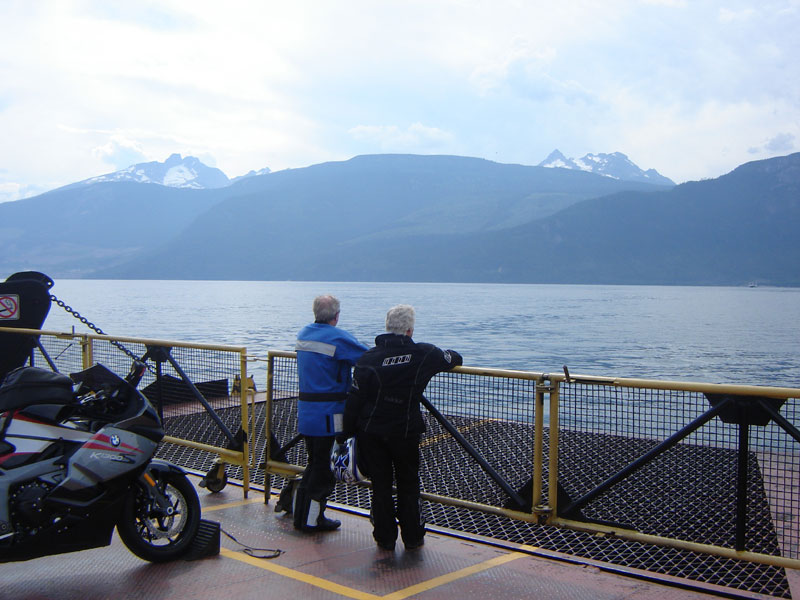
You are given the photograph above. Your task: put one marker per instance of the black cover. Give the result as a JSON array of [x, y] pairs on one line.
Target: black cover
[[24, 303], [175, 391], [26, 386]]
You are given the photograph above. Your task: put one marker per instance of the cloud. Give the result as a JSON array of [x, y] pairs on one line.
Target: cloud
[[783, 142], [148, 14], [279, 85], [729, 16], [119, 152], [523, 59], [10, 191], [673, 3], [391, 138]]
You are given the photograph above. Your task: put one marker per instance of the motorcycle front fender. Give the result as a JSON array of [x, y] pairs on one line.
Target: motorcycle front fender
[[158, 465]]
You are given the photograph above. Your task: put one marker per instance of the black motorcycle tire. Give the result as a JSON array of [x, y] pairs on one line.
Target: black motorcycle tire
[[161, 539]]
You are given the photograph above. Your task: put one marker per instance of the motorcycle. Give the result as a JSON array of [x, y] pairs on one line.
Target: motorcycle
[[77, 460]]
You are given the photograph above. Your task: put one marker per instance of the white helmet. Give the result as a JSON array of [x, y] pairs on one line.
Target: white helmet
[[344, 463]]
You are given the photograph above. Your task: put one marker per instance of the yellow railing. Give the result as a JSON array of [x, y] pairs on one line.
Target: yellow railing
[[179, 370], [701, 467]]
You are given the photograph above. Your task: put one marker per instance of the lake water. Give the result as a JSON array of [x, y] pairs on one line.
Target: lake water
[[711, 334]]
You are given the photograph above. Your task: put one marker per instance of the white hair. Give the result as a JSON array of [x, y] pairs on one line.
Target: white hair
[[400, 319], [325, 308]]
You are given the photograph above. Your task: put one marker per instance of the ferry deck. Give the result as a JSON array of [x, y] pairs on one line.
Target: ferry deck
[[342, 564], [735, 486]]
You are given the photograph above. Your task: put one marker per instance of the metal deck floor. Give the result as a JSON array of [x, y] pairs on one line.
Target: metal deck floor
[[341, 564], [448, 471]]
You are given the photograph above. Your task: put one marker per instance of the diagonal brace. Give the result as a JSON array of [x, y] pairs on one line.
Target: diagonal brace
[[646, 458]]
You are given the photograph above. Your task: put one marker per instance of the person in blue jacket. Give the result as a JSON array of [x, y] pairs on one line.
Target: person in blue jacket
[[325, 356]]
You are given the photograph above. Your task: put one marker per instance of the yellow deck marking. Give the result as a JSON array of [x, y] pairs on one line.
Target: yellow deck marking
[[449, 577], [310, 579], [349, 592], [232, 504]]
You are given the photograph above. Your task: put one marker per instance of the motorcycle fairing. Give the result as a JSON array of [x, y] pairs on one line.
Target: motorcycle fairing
[[109, 453], [74, 529], [84, 485], [29, 435]]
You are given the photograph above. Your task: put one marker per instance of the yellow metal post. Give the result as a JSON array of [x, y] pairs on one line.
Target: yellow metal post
[[538, 446], [243, 391], [552, 483], [87, 353], [268, 423]]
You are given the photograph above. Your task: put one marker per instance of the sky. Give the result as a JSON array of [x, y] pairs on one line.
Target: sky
[[691, 88]]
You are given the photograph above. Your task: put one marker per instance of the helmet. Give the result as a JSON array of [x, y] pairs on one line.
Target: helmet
[[344, 463]]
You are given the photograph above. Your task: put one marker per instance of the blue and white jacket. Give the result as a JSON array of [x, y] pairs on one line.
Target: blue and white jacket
[[325, 355]]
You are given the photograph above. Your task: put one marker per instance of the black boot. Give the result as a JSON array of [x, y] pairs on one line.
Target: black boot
[[312, 517], [323, 522], [326, 524], [285, 501]]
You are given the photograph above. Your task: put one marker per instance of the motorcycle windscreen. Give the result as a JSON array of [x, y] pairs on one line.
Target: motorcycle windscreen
[[97, 377], [24, 304]]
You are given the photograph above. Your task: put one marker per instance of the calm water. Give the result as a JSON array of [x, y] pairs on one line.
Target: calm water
[[712, 334]]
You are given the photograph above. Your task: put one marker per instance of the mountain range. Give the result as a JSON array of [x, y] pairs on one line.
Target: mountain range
[[176, 171], [190, 172], [420, 218], [615, 165]]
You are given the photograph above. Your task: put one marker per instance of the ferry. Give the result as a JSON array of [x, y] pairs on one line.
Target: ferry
[[535, 485]]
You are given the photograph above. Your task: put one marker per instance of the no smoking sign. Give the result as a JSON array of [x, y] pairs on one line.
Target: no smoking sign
[[9, 307]]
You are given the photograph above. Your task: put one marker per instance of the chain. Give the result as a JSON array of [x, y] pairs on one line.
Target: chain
[[91, 325]]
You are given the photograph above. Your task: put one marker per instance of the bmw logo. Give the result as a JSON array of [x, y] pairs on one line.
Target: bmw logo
[[114, 440]]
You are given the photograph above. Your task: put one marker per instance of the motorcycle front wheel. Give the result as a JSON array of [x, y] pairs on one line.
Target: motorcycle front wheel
[[148, 533]]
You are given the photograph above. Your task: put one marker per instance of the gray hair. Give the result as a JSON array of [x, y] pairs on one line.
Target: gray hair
[[325, 308], [400, 319]]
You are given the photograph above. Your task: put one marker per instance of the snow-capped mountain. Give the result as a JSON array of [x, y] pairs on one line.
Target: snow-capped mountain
[[615, 165], [263, 171], [176, 172]]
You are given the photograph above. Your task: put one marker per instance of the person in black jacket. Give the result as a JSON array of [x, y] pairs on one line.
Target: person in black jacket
[[383, 411]]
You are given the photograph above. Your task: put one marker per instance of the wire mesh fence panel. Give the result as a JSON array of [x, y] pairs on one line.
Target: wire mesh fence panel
[[64, 353], [777, 455], [216, 376], [687, 490], [488, 417], [109, 354], [493, 417], [283, 419]]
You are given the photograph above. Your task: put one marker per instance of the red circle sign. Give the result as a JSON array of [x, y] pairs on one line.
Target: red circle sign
[[9, 308]]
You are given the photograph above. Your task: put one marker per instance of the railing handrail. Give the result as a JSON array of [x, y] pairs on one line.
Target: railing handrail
[[118, 338], [683, 386]]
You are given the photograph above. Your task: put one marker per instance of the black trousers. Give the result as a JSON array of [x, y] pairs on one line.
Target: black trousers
[[390, 459], [318, 480]]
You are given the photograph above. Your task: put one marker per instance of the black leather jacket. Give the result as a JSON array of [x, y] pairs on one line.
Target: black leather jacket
[[388, 382]]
